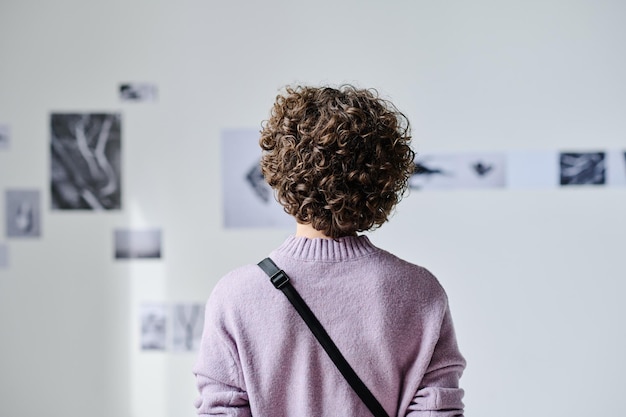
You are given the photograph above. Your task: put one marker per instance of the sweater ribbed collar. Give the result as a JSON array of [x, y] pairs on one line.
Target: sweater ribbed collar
[[327, 250]]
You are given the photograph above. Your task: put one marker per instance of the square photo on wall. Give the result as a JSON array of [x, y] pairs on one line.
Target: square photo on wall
[[85, 161], [23, 213]]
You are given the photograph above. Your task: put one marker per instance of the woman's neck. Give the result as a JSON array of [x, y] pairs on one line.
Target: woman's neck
[[306, 230]]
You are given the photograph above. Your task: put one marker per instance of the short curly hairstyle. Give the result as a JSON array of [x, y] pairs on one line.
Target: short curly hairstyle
[[338, 158]]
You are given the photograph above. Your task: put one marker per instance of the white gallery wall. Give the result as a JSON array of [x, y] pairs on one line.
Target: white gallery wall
[[535, 276]]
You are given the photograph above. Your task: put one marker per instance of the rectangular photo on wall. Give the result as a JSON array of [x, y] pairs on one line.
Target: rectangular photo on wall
[[153, 327], [582, 168], [434, 171], [23, 213], [459, 171], [4, 256], [5, 136], [85, 161], [482, 170], [187, 325], [247, 199], [137, 244], [138, 92]]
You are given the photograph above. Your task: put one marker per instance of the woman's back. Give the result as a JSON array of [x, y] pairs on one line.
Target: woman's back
[[384, 314]]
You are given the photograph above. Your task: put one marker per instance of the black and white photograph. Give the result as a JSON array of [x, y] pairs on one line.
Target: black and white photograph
[[187, 324], [582, 168], [85, 161], [458, 171], [137, 243], [4, 256], [5, 136], [138, 92], [153, 326], [434, 171], [482, 170], [23, 213], [248, 200]]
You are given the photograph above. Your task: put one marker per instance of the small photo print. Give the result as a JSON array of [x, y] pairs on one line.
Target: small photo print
[[137, 92], [23, 213], [248, 200], [85, 161], [5, 136], [482, 170], [582, 168], [187, 325], [434, 171], [459, 171], [153, 327], [4, 256], [137, 244]]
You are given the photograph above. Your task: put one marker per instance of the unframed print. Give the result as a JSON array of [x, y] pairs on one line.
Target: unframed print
[[248, 200], [131, 244], [434, 171], [482, 170], [5, 136], [85, 168], [23, 213], [4, 256], [138, 92], [153, 326], [583, 168], [187, 325], [459, 170]]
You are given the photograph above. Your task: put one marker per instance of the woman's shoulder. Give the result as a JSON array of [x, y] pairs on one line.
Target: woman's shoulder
[[410, 275], [239, 281]]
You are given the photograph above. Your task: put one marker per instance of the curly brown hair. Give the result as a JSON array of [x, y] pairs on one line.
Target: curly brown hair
[[338, 159]]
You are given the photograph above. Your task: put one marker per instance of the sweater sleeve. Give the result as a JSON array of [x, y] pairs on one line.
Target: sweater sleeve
[[218, 374], [439, 394]]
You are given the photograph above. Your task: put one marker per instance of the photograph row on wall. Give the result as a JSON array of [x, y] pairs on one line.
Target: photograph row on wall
[[249, 201], [170, 327], [85, 174]]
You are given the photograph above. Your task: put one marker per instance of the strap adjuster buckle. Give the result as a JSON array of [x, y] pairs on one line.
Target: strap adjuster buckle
[[279, 279]]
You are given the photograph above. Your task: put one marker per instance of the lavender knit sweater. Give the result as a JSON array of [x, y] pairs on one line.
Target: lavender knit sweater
[[389, 318]]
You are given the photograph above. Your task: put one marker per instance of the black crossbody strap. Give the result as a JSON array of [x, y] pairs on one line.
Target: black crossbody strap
[[281, 281]]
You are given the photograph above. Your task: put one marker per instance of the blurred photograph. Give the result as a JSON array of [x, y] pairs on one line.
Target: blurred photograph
[[458, 171], [138, 92], [582, 168], [248, 200], [137, 244], [153, 326], [187, 324], [23, 213], [85, 161]]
